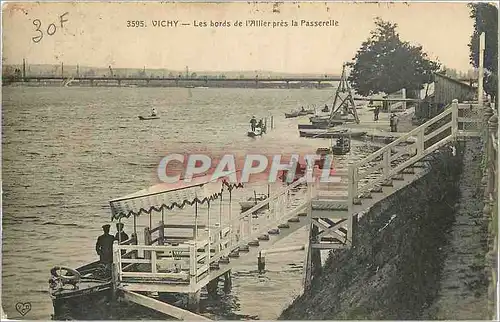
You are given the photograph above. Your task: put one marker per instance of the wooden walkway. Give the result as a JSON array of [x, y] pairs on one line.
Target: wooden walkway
[[329, 210]]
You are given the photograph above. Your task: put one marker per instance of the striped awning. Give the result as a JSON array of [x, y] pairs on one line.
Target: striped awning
[[168, 196]]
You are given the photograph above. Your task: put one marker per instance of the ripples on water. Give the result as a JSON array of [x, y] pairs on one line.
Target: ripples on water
[[67, 151]]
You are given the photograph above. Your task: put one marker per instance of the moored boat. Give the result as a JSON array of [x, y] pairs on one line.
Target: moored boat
[[330, 134], [142, 118]]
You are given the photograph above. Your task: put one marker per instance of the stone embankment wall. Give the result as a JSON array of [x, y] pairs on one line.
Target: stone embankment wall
[[419, 254]]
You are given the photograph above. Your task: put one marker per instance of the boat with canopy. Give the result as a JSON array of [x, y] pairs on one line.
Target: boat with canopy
[[155, 258]]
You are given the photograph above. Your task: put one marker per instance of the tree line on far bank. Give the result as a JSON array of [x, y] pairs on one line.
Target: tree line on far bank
[[385, 63]]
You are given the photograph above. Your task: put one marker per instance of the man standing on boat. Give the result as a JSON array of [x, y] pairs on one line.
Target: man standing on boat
[[153, 112], [104, 246], [120, 235], [253, 123]]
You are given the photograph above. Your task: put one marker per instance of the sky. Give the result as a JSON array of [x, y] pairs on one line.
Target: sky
[[96, 34]]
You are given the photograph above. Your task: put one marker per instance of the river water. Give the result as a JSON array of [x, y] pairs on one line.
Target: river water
[[68, 151]]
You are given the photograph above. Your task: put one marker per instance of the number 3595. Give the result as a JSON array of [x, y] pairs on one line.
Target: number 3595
[[135, 23]]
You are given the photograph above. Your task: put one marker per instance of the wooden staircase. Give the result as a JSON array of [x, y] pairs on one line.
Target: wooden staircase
[[335, 207]]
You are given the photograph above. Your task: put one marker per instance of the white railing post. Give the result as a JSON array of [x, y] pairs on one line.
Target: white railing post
[[386, 163], [454, 118], [153, 262], [161, 232], [421, 141], [147, 241], [350, 188], [193, 263]]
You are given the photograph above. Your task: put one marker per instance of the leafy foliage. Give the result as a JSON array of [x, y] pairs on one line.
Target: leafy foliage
[[485, 20], [385, 63]]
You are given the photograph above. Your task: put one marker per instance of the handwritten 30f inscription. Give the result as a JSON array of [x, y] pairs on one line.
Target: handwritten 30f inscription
[[51, 28]]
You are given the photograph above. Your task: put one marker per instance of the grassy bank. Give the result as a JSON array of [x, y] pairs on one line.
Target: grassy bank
[[393, 272]]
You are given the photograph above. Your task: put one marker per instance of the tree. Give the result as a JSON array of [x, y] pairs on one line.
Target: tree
[[386, 64], [485, 20]]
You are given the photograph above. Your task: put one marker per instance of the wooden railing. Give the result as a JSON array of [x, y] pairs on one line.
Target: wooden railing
[[490, 211], [238, 236], [390, 160], [186, 263]]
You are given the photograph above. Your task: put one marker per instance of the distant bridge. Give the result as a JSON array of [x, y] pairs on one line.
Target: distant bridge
[[184, 79]]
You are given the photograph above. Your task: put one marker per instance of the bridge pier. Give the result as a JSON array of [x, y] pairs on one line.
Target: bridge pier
[[212, 287], [228, 283]]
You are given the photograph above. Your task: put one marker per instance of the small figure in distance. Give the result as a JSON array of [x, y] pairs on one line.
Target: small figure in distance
[[253, 122], [153, 112]]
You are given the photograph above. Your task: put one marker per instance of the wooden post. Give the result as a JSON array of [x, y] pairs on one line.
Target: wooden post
[[481, 70], [351, 194], [315, 253], [135, 226], [227, 282], [194, 301], [153, 262], [161, 232], [147, 241], [454, 118], [261, 262], [491, 166], [212, 287], [387, 165]]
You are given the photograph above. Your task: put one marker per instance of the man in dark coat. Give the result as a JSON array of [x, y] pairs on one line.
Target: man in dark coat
[[104, 246], [120, 235]]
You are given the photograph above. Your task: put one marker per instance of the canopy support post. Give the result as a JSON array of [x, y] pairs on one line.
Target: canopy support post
[[195, 220], [119, 232], [209, 237], [135, 228]]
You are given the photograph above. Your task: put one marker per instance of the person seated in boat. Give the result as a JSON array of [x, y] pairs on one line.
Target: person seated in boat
[[253, 122], [120, 235], [104, 246], [153, 112], [302, 109], [340, 142], [260, 124]]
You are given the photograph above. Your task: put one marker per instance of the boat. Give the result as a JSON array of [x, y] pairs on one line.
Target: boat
[[258, 131], [330, 134], [143, 118], [320, 126], [291, 115], [95, 291], [342, 145], [88, 284], [299, 113], [252, 201]]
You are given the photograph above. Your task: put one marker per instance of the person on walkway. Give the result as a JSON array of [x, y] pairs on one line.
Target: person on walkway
[[253, 122], [104, 246], [376, 112]]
